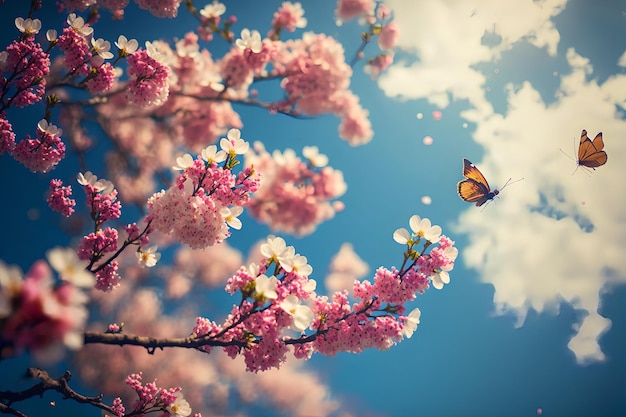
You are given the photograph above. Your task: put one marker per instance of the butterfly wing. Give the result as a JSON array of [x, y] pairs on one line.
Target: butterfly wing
[[590, 153], [473, 192], [471, 172], [475, 187]]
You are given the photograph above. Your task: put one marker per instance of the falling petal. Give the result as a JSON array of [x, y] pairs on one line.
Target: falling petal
[[539, 411], [338, 206], [436, 115], [464, 125], [428, 140], [426, 200], [419, 116]]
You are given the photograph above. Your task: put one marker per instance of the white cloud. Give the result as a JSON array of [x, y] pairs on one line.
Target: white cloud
[[446, 37], [554, 237]]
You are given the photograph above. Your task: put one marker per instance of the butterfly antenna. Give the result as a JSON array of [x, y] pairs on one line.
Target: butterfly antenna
[[510, 183], [567, 155]]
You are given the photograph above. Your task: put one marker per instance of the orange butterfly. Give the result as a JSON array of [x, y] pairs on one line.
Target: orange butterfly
[[475, 188], [590, 153]]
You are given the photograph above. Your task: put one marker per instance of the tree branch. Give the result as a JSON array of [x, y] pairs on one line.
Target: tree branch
[[47, 383], [151, 343]]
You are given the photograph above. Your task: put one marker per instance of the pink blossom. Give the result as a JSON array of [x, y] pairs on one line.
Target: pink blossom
[[317, 72], [258, 61], [26, 66], [7, 137], [47, 318], [118, 407], [40, 154], [349, 9], [103, 206], [107, 278], [160, 8], [81, 5], [294, 197], [378, 64], [113, 5], [289, 17], [355, 126], [148, 85], [59, 198], [389, 35], [190, 209], [77, 51], [94, 245], [235, 71], [193, 220], [102, 80]]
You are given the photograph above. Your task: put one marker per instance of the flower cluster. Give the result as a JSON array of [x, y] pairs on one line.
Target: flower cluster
[[43, 153], [23, 68], [73, 42], [148, 85], [160, 8], [151, 398], [38, 315], [206, 197], [7, 137], [438, 262], [104, 206], [60, 198], [350, 9], [277, 294], [296, 195], [289, 17]]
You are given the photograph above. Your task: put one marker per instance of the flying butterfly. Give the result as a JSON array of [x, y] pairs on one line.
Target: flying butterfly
[[475, 188], [590, 153]]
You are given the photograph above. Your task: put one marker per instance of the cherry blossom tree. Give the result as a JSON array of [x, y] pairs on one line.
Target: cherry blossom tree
[[179, 160]]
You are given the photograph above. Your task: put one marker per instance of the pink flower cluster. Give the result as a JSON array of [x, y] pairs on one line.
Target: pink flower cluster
[[296, 196], [113, 5], [195, 210], [23, 68], [43, 153], [152, 398], [81, 5], [103, 206], [289, 16], [256, 327], [77, 52], [271, 305], [148, 85], [60, 198], [7, 137], [316, 81], [350, 9], [37, 316], [101, 78], [378, 64], [375, 320], [160, 8]]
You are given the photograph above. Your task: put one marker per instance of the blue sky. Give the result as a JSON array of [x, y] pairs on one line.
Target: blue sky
[[534, 314]]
